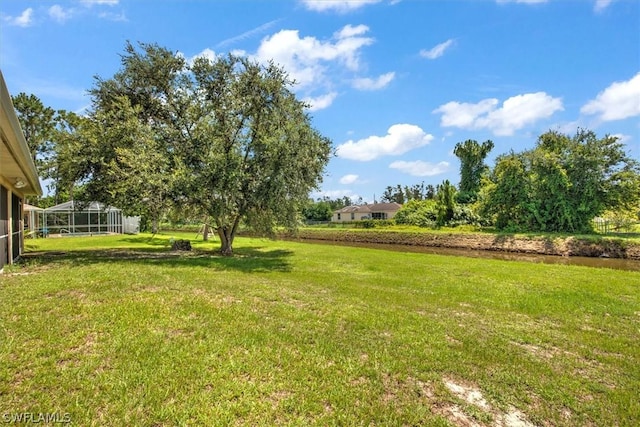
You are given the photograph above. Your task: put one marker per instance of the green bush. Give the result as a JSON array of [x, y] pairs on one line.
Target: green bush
[[374, 223], [465, 215], [422, 213]]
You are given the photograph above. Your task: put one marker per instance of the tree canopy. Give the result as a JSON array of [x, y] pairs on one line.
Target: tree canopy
[[400, 194], [38, 124], [562, 183], [472, 166]]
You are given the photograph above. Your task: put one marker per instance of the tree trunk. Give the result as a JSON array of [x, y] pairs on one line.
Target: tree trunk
[[227, 234], [226, 240], [205, 232], [154, 226]]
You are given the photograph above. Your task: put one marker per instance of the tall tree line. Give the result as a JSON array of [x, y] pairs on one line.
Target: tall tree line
[[560, 185], [402, 194]]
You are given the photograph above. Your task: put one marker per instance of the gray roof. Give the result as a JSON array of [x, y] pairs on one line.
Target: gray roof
[[374, 207]]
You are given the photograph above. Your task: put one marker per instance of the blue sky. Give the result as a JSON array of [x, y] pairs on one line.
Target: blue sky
[[395, 84]]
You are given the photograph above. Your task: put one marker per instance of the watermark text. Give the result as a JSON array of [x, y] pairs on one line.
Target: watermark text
[[36, 418]]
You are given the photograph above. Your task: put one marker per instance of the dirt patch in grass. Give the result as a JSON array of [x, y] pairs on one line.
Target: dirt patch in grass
[[453, 341], [357, 382], [75, 354], [277, 397], [150, 255], [544, 353], [217, 300], [456, 416], [24, 375], [37, 254], [473, 396], [473, 411], [468, 393]]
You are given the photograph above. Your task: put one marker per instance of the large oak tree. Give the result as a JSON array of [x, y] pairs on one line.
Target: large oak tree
[[226, 136]]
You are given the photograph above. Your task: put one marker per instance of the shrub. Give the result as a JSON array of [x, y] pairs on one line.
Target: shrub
[[422, 213], [465, 215]]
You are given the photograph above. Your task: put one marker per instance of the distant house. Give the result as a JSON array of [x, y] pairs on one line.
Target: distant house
[[18, 178], [362, 212]]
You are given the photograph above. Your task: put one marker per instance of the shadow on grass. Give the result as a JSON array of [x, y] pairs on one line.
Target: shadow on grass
[[146, 240], [245, 259]]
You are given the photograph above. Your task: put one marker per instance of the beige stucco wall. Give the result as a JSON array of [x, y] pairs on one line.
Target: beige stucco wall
[[358, 216], [16, 164], [346, 217]]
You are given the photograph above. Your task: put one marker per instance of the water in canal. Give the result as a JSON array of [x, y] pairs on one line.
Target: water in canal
[[615, 263]]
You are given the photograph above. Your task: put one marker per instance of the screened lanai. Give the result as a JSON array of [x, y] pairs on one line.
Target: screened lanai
[[81, 218]]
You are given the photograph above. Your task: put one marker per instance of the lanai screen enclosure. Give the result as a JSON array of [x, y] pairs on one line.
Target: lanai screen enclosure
[[93, 218]]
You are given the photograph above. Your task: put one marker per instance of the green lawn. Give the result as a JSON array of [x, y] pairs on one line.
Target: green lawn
[[120, 331]]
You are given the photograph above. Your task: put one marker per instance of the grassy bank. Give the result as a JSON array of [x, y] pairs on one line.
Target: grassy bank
[[119, 331], [618, 246]]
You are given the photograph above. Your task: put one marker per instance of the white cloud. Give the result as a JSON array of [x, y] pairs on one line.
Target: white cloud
[[306, 59], [341, 6], [619, 101], [601, 5], [438, 50], [59, 14], [238, 52], [400, 138], [522, 1], [335, 194], [349, 179], [100, 2], [318, 66], [569, 128], [622, 137], [205, 53], [351, 31], [514, 114], [420, 168], [320, 102], [24, 20], [462, 114], [117, 17], [374, 84]]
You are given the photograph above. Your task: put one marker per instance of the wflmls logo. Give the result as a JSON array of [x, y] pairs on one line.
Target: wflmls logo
[[37, 417]]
